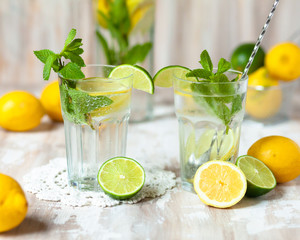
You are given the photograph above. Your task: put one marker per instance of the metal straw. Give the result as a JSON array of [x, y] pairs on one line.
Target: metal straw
[[260, 38]]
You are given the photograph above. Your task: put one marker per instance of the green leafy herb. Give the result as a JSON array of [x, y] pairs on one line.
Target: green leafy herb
[[216, 92], [76, 104], [71, 51], [119, 25]]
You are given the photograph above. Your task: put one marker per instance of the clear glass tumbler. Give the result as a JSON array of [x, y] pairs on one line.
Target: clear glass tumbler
[[125, 34], [209, 117], [95, 110]]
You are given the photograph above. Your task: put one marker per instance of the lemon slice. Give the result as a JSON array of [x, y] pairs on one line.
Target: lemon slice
[[220, 184], [223, 144]]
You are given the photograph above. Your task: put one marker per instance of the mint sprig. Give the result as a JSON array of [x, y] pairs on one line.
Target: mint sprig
[[76, 104], [118, 50], [216, 91], [55, 61]]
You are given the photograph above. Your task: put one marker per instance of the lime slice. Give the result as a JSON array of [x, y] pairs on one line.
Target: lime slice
[[164, 77], [222, 148], [260, 179], [141, 78], [121, 177]]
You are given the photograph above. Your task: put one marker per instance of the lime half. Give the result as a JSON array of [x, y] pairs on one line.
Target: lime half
[[121, 177], [164, 77], [142, 80], [260, 179]]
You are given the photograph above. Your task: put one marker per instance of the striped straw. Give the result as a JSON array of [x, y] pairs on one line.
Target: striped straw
[[260, 38]]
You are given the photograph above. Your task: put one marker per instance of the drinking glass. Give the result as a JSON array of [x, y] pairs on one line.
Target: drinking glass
[[95, 110], [127, 37], [209, 116]]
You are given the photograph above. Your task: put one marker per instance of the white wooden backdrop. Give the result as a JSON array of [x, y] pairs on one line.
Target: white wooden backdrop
[[183, 29]]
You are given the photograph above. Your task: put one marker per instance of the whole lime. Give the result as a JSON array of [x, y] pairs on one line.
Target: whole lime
[[241, 55]]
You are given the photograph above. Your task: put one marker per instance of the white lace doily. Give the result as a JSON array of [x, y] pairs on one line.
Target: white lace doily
[[49, 183]]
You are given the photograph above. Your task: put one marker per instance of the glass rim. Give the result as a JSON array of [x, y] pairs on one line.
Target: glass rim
[[241, 80], [99, 78]]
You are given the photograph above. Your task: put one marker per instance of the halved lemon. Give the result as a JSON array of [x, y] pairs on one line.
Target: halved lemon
[[220, 184]]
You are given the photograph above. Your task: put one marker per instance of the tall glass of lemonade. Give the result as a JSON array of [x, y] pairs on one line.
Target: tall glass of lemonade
[[95, 110]]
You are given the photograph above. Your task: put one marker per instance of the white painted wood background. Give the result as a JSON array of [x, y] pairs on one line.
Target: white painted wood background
[[183, 29]]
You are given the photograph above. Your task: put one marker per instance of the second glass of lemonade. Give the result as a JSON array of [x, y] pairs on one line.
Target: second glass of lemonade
[[210, 117], [95, 110]]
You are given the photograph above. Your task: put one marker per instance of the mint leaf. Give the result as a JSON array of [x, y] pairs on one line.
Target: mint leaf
[[200, 73], [71, 71], [84, 103], [78, 51], [47, 68], [216, 93], [138, 53], [75, 58], [70, 51], [74, 45], [205, 61], [70, 37], [223, 66], [236, 104], [77, 105], [43, 55]]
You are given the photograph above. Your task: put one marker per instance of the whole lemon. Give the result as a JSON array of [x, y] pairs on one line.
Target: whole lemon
[[50, 99], [280, 154], [13, 204], [264, 95], [20, 111], [283, 61]]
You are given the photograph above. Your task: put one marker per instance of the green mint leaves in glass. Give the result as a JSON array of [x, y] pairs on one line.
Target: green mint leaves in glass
[[75, 104], [217, 83]]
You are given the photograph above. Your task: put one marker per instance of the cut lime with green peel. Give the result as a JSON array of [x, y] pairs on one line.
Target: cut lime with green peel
[[121, 178], [260, 179], [164, 77], [142, 80]]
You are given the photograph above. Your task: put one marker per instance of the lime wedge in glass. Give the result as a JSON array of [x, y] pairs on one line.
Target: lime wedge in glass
[[260, 179], [222, 148], [142, 80], [164, 77], [121, 177]]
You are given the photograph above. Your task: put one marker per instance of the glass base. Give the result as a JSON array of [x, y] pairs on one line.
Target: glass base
[[187, 186], [87, 184]]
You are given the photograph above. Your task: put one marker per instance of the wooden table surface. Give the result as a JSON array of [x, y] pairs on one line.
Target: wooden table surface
[[176, 215]]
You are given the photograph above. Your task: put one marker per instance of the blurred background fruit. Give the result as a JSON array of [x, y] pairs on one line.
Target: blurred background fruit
[[264, 95], [20, 111], [241, 54], [137, 10], [13, 203], [283, 61], [50, 99], [280, 154]]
